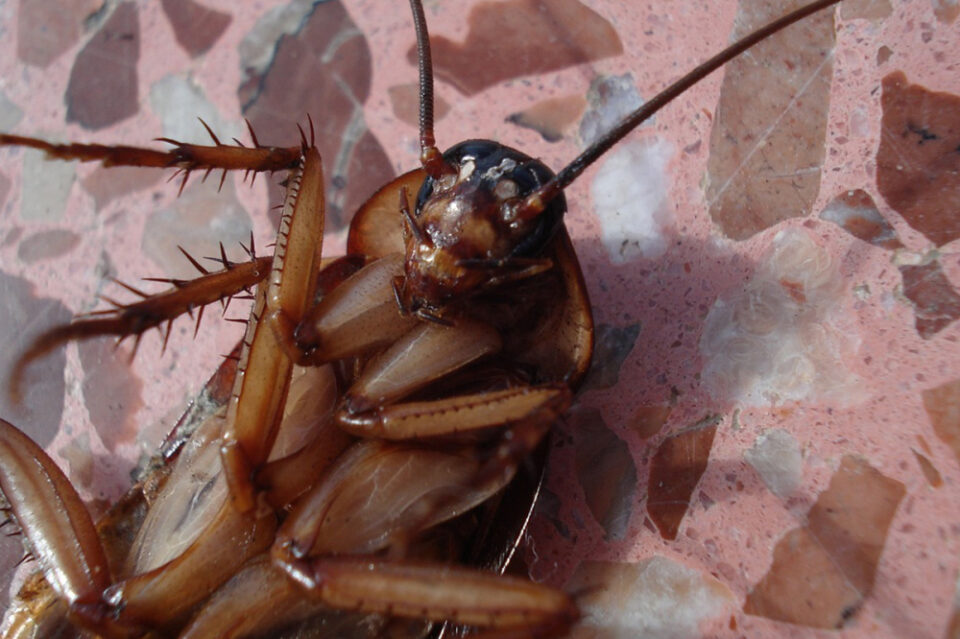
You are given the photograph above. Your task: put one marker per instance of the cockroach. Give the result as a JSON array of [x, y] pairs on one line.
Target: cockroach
[[429, 300]]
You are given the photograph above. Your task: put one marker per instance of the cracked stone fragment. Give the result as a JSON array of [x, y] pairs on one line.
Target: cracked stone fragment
[[106, 184], [612, 345], [4, 189], [875, 10], [103, 82], [822, 572], [23, 316], [550, 118], [196, 27], [80, 460], [946, 12], [610, 99], [259, 45], [782, 336], [936, 303], [181, 105], [918, 167], [943, 407], [883, 54], [675, 471], [45, 29], [630, 195], [321, 66], [548, 507], [606, 472], [953, 628], [522, 37], [766, 155], [930, 472], [10, 113], [46, 187], [648, 420], [111, 391], [857, 213]]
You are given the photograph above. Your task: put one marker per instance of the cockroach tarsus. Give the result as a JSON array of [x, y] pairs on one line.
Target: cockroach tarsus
[[438, 362]]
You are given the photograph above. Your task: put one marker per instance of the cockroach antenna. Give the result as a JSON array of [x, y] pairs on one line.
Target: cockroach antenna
[[536, 202]]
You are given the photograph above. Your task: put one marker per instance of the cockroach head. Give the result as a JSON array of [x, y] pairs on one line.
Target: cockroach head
[[468, 229], [486, 212]]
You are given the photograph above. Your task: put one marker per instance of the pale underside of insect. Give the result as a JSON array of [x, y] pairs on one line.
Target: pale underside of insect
[[471, 338]]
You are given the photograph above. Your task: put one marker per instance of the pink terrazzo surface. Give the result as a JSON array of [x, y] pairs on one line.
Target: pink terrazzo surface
[[654, 305]]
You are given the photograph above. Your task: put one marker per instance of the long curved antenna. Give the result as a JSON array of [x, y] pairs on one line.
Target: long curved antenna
[[536, 202], [430, 156]]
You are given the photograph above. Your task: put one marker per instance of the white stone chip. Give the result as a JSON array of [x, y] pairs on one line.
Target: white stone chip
[[777, 457]]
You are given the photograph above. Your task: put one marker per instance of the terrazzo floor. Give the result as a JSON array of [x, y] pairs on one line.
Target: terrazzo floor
[[768, 444]]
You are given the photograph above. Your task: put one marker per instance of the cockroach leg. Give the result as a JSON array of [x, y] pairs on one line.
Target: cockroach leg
[[358, 317], [53, 517], [166, 594], [188, 544], [317, 526], [184, 156], [157, 597], [417, 488], [152, 312], [256, 600], [424, 591], [374, 492], [523, 418], [426, 353], [260, 393], [461, 416]]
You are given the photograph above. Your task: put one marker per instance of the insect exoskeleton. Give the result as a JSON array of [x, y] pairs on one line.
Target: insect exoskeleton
[[380, 405]]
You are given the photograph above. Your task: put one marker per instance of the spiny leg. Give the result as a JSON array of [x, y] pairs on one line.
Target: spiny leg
[[377, 490], [256, 408], [58, 528], [185, 157], [154, 310], [151, 312]]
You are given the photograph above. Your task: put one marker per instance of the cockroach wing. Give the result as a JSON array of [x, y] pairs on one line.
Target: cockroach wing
[[186, 505], [379, 490], [196, 489], [560, 342], [261, 600], [310, 403]]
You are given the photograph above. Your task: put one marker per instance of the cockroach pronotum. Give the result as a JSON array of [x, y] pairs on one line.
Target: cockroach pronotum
[[457, 279]]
